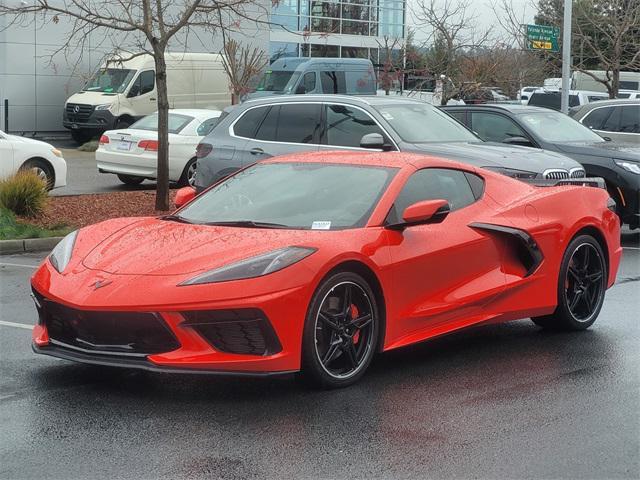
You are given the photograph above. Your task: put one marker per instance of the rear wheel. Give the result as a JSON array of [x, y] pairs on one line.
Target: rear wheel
[[340, 332], [80, 137], [188, 177], [123, 123], [42, 169], [581, 286], [130, 179]]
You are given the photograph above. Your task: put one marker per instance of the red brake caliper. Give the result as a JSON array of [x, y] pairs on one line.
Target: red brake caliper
[[354, 315]]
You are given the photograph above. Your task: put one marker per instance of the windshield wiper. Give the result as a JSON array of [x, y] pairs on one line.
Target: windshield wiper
[[175, 218], [247, 224]]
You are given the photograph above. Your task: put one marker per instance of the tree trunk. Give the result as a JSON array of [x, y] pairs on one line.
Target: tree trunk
[[615, 83], [162, 185]]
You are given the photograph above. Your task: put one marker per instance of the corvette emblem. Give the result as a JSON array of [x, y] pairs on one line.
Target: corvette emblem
[[101, 283]]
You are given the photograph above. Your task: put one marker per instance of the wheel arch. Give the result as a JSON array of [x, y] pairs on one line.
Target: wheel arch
[[369, 275], [43, 160], [599, 237]]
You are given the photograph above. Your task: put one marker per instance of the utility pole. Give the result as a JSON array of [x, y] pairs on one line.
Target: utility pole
[[566, 57]]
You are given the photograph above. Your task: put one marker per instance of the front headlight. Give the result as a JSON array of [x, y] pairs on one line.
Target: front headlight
[[254, 266], [61, 254], [632, 167], [56, 152], [105, 106]]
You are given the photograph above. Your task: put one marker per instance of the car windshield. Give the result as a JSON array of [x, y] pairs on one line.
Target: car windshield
[[317, 196], [421, 123], [557, 127], [150, 122], [274, 80], [110, 80]]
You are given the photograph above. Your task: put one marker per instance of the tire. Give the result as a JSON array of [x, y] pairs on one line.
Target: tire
[[123, 123], [80, 137], [581, 286], [187, 179], [42, 169], [340, 332], [130, 179]]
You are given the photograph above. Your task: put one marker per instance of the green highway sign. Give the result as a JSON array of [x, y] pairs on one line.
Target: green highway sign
[[543, 37]]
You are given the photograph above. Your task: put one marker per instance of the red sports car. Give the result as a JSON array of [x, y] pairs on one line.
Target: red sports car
[[314, 262]]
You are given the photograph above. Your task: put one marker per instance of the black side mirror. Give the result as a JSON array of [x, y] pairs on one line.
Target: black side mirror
[[525, 142], [300, 89], [134, 91], [374, 141]]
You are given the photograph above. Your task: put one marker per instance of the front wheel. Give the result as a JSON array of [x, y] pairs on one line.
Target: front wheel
[[340, 332], [130, 179], [42, 169], [581, 286], [188, 177]]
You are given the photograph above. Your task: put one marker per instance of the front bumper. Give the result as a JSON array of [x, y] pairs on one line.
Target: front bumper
[[88, 119]]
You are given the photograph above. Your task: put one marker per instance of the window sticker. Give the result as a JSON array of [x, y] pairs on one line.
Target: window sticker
[[386, 115], [321, 225]]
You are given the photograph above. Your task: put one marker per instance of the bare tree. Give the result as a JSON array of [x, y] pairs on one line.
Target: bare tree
[[392, 51], [242, 64], [448, 27], [154, 24]]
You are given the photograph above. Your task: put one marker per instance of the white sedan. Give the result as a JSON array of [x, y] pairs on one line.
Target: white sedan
[[20, 153], [131, 153]]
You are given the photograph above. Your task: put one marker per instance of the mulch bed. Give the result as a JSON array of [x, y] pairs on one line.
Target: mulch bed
[[81, 210]]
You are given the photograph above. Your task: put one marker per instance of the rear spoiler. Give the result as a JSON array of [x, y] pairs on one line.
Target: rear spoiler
[[596, 182]]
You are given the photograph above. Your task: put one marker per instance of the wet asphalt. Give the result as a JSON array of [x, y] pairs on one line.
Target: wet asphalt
[[506, 401]]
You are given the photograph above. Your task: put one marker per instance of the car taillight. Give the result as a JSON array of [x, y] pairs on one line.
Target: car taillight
[[104, 139], [151, 145], [203, 149]]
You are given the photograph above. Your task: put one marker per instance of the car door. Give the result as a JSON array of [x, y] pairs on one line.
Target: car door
[[495, 127], [621, 125], [7, 167], [285, 128], [141, 96], [345, 125], [443, 273]]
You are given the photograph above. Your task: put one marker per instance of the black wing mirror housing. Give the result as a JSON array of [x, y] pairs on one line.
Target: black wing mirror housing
[[522, 141]]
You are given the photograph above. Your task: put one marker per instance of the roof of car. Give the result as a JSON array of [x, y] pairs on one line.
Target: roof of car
[[615, 101], [511, 107], [353, 99], [199, 113], [379, 159]]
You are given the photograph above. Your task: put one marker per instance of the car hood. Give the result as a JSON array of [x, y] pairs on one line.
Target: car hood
[[151, 246], [602, 149], [93, 98], [486, 154], [30, 141]]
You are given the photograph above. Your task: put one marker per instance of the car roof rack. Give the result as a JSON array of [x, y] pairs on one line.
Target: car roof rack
[[597, 182]]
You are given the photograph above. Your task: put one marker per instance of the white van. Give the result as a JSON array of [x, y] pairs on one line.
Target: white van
[[120, 93], [583, 81]]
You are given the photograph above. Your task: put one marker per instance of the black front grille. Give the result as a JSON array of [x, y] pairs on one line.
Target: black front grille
[[78, 112], [578, 173], [133, 333], [242, 331], [556, 174]]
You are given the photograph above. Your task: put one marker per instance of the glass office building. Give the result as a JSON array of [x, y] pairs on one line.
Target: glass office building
[[320, 28]]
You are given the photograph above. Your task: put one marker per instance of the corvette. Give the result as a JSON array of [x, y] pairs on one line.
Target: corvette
[[314, 262]]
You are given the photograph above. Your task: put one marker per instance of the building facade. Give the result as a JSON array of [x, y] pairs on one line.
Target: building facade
[[38, 71]]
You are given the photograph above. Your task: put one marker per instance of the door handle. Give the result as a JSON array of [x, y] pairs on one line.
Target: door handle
[[152, 99], [256, 151]]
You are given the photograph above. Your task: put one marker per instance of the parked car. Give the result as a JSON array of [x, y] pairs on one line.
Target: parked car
[[302, 75], [525, 92], [618, 164], [120, 93], [629, 94], [618, 120], [552, 99], [314, 262], [264, 128], [131, 153], [20, 153]]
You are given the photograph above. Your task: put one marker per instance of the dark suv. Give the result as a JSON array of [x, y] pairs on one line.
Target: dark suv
[[263, 128], [617, 163]]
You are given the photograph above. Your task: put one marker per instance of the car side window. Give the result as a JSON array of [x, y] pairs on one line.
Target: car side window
[[345, 126], [630, 119], [437, 184], [333, 82], [459, 115], [267, 130], [309, 81], [206, 126], [493, 127], [612, 124], [249, 122], [596, 118], [298, 123], [147, 81]]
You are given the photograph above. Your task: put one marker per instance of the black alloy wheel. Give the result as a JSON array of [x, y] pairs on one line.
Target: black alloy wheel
[[341, 331], [581, 286]]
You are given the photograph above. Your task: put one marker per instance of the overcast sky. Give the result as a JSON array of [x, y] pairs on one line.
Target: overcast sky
[[484, 14]]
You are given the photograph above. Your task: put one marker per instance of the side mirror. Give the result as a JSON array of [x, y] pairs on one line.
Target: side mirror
[[184, 196], [134, 91], [420, 213], [300, 89], [374, 141], [522, 141]]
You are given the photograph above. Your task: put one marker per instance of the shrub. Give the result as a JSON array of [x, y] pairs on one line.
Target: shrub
[[23, 193], [90, 146]]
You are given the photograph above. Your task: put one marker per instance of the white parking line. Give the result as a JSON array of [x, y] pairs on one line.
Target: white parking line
[[631, 248], [22, 265], [17, 325]]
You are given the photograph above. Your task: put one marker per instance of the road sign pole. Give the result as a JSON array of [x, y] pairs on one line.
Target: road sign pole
[[566, 57]]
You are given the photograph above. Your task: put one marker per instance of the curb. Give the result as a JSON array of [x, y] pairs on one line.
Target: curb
[[28, 245]]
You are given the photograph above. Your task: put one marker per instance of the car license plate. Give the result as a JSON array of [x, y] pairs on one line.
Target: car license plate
[[123, 145]]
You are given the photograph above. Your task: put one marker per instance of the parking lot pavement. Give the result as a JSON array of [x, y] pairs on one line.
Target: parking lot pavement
[[505, 401]]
